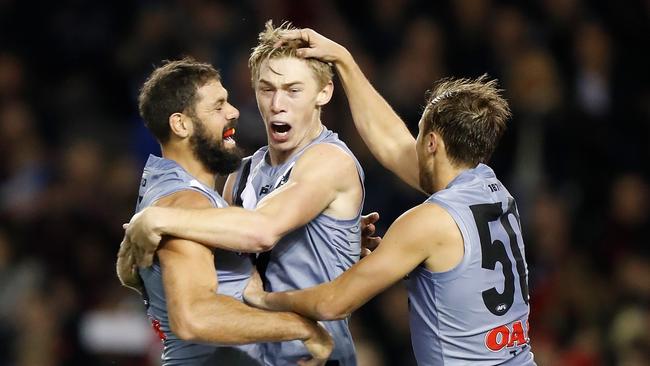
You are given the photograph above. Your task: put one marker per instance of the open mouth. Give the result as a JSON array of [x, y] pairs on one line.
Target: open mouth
[[280, 127], [228, 135]]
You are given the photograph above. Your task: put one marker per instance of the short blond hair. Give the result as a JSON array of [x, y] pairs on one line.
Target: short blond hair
[[266, 50]]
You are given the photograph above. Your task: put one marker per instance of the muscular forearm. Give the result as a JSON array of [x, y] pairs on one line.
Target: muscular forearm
[[322, 302], [381, 128], [230, 228], [339, 298], [224, 320]]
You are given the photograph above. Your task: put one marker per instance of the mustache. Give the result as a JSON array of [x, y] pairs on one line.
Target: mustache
[[231, 124]]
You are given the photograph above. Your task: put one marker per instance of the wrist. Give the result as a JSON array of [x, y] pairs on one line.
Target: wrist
[[343, 57], [346, 66], [309, 328], [156, 219]]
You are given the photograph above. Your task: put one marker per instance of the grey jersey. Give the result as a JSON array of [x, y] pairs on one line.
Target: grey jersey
[[476, 313], [162, 177], [313, 254]]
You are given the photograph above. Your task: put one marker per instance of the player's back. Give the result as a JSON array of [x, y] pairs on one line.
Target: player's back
[[477, 312], [161, 178], [313, 254]]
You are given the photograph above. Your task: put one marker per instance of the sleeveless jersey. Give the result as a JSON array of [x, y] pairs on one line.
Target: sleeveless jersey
[[161, 178], [477, 312], [313, 254]]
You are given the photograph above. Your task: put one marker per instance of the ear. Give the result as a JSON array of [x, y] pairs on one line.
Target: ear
[[432, 140], [325, 94], [180, 125]]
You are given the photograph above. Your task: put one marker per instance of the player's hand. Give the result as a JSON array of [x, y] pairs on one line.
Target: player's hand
[[319, 345], [254, 293], [368, 241], [317, 46], [126, 269], [143, 235]]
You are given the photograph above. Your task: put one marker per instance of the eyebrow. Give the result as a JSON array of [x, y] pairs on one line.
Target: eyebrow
[[221, 99], [285, 85]]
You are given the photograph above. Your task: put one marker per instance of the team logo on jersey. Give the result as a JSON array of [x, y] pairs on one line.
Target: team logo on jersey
[[507, 336], [265, 189], [284, 179]]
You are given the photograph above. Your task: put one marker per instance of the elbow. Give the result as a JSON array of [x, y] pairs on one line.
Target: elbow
[[265, 237], [264, 241], [184, 326], [332, 310]]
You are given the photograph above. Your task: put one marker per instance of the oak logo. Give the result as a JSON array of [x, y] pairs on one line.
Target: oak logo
[[507, 336]]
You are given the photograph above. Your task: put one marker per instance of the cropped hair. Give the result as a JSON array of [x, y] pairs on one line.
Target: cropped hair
[[470, 115], [171, 88]]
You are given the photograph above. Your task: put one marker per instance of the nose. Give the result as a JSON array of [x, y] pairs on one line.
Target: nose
[[277, 103], [233, 113]]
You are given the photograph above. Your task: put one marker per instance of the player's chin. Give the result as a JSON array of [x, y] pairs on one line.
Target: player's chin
[[283, 145], [229, 144]]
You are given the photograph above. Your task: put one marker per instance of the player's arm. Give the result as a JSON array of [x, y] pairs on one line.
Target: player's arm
[[322, 172], [420, 233], [381, 128], [324, 180], [197, 313]]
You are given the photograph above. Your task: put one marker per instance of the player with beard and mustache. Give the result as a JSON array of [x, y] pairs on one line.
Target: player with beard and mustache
[[211, 151], [302, 194], [193, 294]]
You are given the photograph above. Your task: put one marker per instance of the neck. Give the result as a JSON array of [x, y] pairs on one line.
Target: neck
[[279, 156], [445, 172], [188, 161]]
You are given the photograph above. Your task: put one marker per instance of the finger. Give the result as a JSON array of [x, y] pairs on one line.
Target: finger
[[138, 256], [125, 226], [365, 252], [295, 34], [146, 260], [368, 230], [371, 243], [370, 218], [307, 53], [124, 248]]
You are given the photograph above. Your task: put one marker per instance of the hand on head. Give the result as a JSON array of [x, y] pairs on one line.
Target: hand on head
[[317, 46]]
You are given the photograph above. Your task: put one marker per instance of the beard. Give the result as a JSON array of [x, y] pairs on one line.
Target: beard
[[214, 156]]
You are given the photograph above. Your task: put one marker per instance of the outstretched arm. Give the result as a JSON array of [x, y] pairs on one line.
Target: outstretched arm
[[381, 128], [324, 179], [416, 236]]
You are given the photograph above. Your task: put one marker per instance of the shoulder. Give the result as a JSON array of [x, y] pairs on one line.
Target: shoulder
[[329, 159], [427, 221], [185, 198]]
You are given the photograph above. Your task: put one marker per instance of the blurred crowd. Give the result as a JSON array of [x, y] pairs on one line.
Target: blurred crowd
[[575, 156]]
